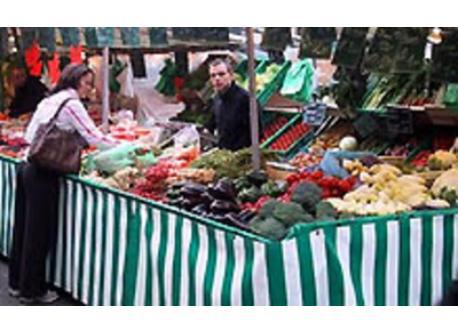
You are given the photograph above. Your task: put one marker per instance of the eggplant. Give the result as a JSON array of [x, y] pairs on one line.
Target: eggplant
[[234, 220], [193, 190], [220, 206], [176, 202], [216, 217], [187, 204], [200, 209], [207, 198], [173, 194], [257, 178], [224, 190], [246, 216], [180, 184]]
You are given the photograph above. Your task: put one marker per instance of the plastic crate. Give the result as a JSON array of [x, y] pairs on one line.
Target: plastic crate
[[297, 145], [274, 85], [380, 111], [426, 144], [293, 120], [271, 117]]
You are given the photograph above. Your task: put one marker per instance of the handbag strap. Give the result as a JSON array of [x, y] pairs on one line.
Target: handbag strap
[[54, 118]]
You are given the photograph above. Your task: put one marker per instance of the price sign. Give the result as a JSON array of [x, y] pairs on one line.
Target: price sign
[[398, 120], [366, 125], [315, 114]]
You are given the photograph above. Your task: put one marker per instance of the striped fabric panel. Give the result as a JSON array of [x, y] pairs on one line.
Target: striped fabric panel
[[187, 277], [114, 250], [3, 221], [7, 198]]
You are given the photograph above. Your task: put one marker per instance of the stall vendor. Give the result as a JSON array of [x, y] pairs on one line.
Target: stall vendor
[[28, 92], [231, 108]]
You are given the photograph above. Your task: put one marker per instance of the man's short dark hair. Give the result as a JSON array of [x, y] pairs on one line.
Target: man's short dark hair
[[221, 61]]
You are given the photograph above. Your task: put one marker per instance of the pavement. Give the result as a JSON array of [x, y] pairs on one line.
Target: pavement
[[7, 300]]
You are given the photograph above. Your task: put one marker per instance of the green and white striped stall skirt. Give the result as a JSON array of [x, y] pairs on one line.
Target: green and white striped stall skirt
[[115, 249]]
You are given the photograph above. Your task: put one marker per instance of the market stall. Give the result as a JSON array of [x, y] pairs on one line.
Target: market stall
[[116, 249], [326, 221]]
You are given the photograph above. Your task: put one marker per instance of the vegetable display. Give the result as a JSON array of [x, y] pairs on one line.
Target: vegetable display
[[287, 139], [273, 127]]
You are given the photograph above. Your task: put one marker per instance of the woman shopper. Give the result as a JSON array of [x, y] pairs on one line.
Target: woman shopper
[[37, 195]]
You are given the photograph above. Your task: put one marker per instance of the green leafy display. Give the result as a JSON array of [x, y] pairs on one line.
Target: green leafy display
[[130, 36], [70, 36], [445, 57], [350, 47], [158, 36], [317, 42], [276, 38]]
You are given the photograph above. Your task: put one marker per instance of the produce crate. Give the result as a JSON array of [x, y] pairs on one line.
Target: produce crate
[[424, 145], [242, 67], [274, 85], [393, 160], [277, 173], [269, 117], [380, 111], [297, 145]]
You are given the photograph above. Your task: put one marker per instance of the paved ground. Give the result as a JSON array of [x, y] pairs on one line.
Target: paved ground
[[5, 299]]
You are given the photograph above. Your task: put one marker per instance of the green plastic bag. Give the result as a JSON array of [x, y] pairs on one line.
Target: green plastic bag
[[451, 95], [166, 84], [114, 159], [298, 83], [146, 160]]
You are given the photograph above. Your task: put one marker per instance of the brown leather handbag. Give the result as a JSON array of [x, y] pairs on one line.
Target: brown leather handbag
[[55, 149]]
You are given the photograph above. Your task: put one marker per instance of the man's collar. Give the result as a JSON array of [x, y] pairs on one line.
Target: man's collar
[[227, 90]]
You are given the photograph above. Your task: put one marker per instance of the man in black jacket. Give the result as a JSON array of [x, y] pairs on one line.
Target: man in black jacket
[[29, 91], [231, 108]]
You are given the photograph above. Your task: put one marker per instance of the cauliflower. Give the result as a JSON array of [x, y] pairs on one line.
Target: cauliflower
[[448, 180]]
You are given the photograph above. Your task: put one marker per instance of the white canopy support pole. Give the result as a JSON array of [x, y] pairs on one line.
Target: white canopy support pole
[[254, 117], [105, 90]]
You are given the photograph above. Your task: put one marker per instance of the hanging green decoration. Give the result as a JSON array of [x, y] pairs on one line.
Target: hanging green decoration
[[317, 42], [158, 36], [445, 57], [214, 34], [105, 37], [47, 38], [190, 34], [166, 84], [350, 47], [70, 36], [3, 43], [28, 36], [382, 50], [90, 35], [410, 52], [396, 50], [130, 36], [276, 38]]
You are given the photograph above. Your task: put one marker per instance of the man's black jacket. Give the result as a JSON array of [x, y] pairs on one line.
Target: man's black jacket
[[231, 117]]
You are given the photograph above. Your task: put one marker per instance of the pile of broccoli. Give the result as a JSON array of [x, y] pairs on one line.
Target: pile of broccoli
[[275, 217]]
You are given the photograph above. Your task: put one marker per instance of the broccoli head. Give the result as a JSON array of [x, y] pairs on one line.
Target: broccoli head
[[326, 211], [267, 210], [290, 213], [269, 227], [308, 195]]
